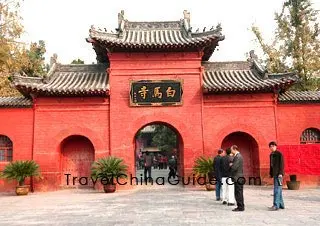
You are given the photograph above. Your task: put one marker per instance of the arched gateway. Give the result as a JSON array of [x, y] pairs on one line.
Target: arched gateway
[[163, 142], [249, 150], [77, 156], [153, 72]]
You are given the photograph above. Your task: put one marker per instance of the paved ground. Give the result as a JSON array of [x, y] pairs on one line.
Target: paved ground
[[157, 205]]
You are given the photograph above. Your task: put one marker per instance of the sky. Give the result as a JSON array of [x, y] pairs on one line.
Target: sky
[[64, 24]]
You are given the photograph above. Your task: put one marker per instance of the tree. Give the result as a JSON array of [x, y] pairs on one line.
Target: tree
[[296, 44], [10, 31], [77, 61], [16, 56], [31, 61], [165, 139]]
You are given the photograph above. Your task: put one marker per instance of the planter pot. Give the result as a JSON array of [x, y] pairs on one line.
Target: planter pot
[[293, 185], [22, 190], [293, 177], [210, 187], [109, 188]]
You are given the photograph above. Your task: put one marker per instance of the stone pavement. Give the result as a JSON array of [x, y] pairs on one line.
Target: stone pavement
[[157, 205]]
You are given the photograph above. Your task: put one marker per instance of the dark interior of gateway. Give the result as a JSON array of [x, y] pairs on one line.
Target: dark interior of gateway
[[157, 151]]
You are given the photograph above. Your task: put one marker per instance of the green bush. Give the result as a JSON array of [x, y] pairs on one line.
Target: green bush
[[108, 168], [203, 167], [20, 170]]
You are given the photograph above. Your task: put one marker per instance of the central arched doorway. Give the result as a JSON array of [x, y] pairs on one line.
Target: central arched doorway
[[164, 144], [249, 150], [77, 156]]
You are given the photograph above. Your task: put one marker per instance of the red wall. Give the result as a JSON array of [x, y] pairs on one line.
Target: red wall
[[185, 119], [249, 113], [292, 121], [17, 124], [59, 118], [202, 122]]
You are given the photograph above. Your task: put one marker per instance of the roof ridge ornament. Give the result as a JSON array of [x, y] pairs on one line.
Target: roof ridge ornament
[[186, 22], [121, 22], [254, 60], [218, 28], [53, 67], [53, 59], [92, 28]]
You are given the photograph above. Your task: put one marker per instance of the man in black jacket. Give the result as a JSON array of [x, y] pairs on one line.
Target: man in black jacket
[[217, 173], [237, 176], [277, 172]]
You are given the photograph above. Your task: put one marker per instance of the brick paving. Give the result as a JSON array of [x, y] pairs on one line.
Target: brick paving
[[157, 205]]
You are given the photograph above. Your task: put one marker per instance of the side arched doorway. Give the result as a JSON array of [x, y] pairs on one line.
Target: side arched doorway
[[163, 142], [249, 150], [77, 156]]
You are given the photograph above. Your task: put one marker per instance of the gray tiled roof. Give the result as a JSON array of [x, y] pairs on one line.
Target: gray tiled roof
[[152, 36], [242, 76], [8, 102], [67, 80], [299, 96]]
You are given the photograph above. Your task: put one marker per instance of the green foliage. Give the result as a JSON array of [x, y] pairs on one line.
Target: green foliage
[[31, 61], [77, 61], [165, 139], [16, 56], [20, 170], [108, 168], [5, 87], [203, 167], [296, 44], [10, 31]]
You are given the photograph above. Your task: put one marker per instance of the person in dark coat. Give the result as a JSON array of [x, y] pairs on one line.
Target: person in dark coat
[[218, 173], [277, 173], [148, 162], [237, 176], [172, 167]]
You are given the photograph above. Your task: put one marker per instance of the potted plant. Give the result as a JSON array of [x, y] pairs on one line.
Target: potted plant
[[109, 169], [293, 184], [204, 168], [20, 170]]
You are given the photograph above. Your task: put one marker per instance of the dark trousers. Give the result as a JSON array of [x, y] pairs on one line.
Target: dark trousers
[[147, 170], [172, 173], [218, 189], [238, 193]]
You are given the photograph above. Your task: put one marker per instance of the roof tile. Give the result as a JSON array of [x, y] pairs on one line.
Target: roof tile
[[15, 102], [300, 97], [224, 77], [153, 36], [67, 80]]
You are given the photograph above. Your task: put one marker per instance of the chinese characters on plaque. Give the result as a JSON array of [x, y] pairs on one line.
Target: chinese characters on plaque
[[163, 92]]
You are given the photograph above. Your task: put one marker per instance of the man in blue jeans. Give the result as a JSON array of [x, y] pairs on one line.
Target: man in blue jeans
[[277, 172], [217, 173]]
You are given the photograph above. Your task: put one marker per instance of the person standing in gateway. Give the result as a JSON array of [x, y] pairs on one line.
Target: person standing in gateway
[[148, 162], [172, 167], [277, 173], [237, 176]]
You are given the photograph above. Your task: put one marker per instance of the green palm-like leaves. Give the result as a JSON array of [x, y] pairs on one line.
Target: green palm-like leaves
[[203, 167], [108, 167], [20, 170]]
